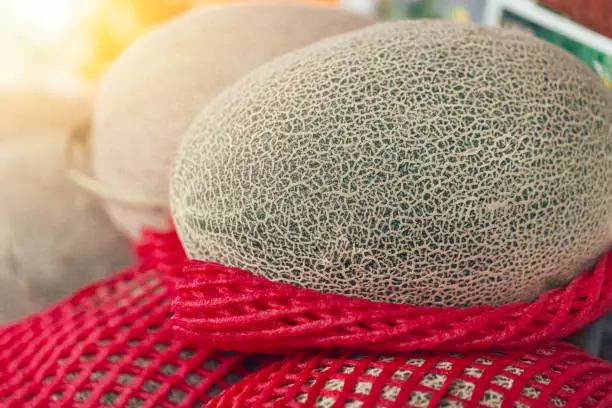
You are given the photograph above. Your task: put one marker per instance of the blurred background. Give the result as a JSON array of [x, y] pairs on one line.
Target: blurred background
[[53, 52]]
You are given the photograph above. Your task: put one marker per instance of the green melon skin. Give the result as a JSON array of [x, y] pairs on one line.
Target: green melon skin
[[414, 162], [54, 237], [154, 90]]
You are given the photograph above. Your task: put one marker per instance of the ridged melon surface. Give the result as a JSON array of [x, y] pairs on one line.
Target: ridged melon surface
[[414, 162], [159, 84], [54, 237]]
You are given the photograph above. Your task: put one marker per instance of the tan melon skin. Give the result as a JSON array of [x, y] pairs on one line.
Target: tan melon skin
[[158, 85], [39, 113], [413, 162], [54, 237]]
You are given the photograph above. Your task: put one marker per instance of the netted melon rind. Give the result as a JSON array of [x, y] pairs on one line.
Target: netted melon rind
[[157, 86], [412, 162]]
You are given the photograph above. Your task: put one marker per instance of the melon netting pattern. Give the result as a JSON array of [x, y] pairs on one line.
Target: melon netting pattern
[[230, 309], [111, 344], [595, 14], [553, 375]]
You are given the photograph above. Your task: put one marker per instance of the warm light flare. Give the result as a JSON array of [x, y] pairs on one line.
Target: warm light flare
[[39, 21]]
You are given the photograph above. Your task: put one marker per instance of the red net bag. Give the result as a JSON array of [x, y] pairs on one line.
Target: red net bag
[[228, 308], [111, 344], [594, 14], [554, 375]]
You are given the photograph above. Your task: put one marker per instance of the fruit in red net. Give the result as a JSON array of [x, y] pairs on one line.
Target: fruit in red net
[[419, 162], [156, 87], [524, 377]]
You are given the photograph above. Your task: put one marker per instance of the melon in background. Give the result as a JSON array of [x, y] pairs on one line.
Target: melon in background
[[31, 113], [54, 237], [414, 162], [157, 86]]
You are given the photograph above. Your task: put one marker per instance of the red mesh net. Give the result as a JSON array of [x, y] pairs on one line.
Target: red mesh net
[[555, 375], [111, 344], [595, 14], [231, 309]]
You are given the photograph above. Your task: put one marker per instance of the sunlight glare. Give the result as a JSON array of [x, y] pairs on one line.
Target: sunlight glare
[[43, 21]]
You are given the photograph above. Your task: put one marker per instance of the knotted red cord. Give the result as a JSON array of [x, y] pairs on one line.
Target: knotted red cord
[[230, 309], [111, 344], [550, 375]]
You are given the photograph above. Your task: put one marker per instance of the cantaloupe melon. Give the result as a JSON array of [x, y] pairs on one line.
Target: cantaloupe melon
[[34, 113], [158, 85], [54, 237], [522, 378], [427, 163]]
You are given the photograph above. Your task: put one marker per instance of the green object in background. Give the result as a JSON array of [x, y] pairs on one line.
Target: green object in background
[[598, 61], [423, 9], [458, 10], [402, 9]]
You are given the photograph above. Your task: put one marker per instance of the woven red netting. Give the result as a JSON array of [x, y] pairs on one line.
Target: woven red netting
[[230, 309], [595, 14], [552, 375], [111, 344]]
